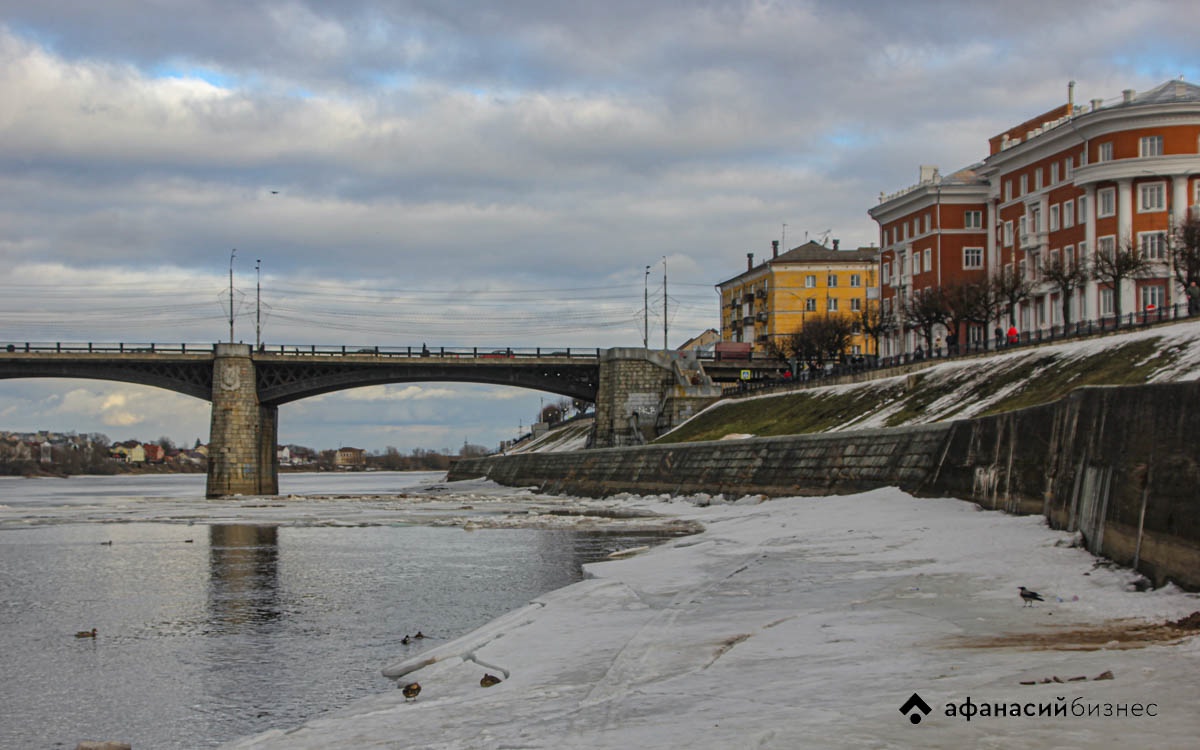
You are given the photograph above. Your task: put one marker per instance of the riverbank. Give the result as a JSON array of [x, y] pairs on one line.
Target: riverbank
[[806, 622]]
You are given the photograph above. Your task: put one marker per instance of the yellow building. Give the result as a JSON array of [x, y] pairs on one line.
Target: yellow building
[[776, 297]]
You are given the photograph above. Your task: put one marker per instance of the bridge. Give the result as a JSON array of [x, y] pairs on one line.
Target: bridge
[[637, 392]]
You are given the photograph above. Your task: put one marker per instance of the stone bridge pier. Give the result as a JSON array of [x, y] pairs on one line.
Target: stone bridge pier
[[639, 394], [243, 432], [645, 392]]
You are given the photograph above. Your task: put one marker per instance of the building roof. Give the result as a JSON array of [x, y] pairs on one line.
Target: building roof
[[1166, 93], [815, 252], [811, 252]]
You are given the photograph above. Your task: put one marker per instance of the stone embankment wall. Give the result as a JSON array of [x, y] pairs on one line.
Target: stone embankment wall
[[1119, 464]]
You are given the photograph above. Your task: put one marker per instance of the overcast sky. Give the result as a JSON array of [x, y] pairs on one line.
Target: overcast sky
[[479, 174]]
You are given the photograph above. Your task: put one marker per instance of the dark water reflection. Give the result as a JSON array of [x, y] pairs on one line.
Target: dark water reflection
[[209, 633]]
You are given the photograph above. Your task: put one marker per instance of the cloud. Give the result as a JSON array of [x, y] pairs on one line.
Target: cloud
[[473, 175]]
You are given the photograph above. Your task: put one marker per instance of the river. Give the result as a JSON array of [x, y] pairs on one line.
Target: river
[[221, 618]]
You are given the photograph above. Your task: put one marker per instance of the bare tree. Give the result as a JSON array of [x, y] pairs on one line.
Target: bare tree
[[875, 322], [829, 336], [925, 310], [1066, 277], [1185, 252], [1010, 288], [967, 302], [1126, 261]]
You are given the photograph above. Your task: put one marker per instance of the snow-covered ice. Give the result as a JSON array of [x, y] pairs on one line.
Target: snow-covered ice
[[805, 622]]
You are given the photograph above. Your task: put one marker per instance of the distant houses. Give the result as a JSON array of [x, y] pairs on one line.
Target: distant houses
[[350, 459]]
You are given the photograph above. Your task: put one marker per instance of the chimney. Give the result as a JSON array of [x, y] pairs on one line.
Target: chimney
[[749, 261], [1128, 93], [1096, 104], [774, 248], [1071, 98]]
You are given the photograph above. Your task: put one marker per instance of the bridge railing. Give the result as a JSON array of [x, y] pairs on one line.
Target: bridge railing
[[422, 351], [60, 347], [448, 352]]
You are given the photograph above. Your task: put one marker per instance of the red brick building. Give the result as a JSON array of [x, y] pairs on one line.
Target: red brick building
[[1056, 189]]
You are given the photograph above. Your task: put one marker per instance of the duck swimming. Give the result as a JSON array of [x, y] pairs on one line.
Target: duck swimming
[[488, 680], [411, 691], [86, 633]]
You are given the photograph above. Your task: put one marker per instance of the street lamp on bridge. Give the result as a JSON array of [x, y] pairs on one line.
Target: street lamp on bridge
[[232, 253]]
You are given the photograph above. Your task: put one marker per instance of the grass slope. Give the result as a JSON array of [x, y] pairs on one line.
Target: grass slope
[[959, 388]]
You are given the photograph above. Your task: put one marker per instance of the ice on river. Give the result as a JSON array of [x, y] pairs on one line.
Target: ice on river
[[807, 622]]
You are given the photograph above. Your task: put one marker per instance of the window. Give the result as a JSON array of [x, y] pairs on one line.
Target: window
[[1054, 218], [928, 259], [1007, 190], [1035, 219], [855, 304], [1083, 209], [1054, 173], [1106, 246], [1104, 152], [831, 304], [887, 273], [810, 282], [1152, 197], [1024, 184], [1069, 167], [832, 280], [1068, 214], [973, 219], [1068, 256], [1008, 233], [855, 280], [810, 304], [1151, 145], [1153, 245], [1152, 297], [1106, 301], [927, 223], [1037, 179], [1106, 202], [916, 227], [1082, 250], [972, 257]]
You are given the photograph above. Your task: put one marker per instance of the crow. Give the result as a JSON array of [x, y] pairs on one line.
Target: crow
[[1029, 597]]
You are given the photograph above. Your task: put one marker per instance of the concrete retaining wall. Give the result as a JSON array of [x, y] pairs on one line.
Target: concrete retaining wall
[[1119, 464]]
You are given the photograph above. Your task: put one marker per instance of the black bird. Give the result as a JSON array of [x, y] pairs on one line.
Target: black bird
[[411, 691], [488, 680], [405, 640], [419, 635], [1029, 597], [86, 633]]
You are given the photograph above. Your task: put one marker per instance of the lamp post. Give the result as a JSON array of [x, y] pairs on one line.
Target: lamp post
[[646, 310], [257, 304], [665, 347], [232, 254]]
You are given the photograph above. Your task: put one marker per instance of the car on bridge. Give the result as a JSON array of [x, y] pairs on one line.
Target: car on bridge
[[498, 354]]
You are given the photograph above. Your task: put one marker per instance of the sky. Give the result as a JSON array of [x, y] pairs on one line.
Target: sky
[[477, 174]]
